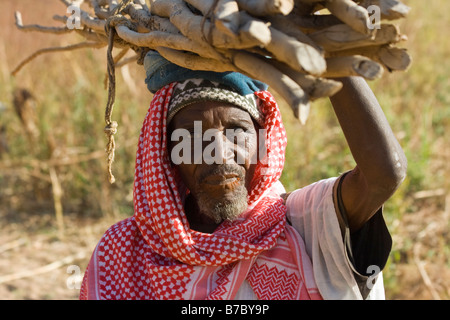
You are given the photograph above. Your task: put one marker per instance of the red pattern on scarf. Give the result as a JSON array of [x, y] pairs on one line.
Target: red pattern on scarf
[[155, 255]]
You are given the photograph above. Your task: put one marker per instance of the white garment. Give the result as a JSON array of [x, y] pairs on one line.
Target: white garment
[[312, 213]]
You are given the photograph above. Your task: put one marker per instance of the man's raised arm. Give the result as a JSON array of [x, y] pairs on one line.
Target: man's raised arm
[[380, 161]]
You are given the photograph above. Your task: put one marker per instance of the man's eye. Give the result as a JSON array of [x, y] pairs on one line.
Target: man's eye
[[234, 132], [238, 130]]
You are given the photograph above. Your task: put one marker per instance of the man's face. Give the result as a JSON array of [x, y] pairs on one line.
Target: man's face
[[214, 146]]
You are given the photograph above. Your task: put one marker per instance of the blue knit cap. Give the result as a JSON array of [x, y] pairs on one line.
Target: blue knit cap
[[161, 72]]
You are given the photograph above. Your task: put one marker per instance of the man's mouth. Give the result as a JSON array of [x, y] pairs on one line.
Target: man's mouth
[[222, 179]]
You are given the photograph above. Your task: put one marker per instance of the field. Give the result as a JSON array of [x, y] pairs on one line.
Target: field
[[56, 202]]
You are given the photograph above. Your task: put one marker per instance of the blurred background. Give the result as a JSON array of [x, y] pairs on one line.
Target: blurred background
[[56, 201]]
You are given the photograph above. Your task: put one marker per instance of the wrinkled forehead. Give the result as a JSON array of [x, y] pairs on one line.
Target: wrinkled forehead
[[212, 113], [197, 91]]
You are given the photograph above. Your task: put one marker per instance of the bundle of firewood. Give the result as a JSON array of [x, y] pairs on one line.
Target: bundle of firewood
[[295, 46]]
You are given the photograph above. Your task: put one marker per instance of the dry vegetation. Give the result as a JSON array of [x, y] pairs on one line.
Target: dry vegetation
[[56, 200]]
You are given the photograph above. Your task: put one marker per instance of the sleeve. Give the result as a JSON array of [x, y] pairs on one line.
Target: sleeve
[[367, 248], [337, 260], [89, 287], [84, 285]]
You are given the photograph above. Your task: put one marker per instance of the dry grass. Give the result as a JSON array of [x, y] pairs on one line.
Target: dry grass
[[69, 101]]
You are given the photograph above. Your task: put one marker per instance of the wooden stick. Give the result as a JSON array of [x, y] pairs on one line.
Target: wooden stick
[[191, 26], [143, 4], [392, 58], [352, 14], [81, 45], [423, 273], [195, 27], [252, 31], [87, 33], [305, 8], [161, 24], [194, 62], [140, 15], [310, 23], [13, 244], [288, 26], [255, 31], [35, 27], [309, 1], [353, 66], [126, 61], [164, 39], [291, 92], [44, 269], [429, 193], [342, 37], [315, 87], [226, 16], [57, 194], [288, 46], [266, 7], [390, 9], [100, 11], [72, 160], [318, 87], [202, 5], [299, 55], [90, 22]]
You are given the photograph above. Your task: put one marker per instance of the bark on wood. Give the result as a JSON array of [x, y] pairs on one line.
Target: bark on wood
[[294, 95], [195, 27], [35, 27], [195, 62], [266, 7], [159, 39], [299, 55], [315, 87], [254, 31], [311, 23], [390, 9], [226, 16], [392, 58], [285, 43], [343, 37], [288, 26], [352, 14], [338, 67]]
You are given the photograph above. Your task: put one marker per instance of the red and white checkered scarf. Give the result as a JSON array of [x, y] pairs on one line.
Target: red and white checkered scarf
[[155, 255]]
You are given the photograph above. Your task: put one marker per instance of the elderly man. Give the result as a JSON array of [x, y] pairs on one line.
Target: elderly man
[[226, 229]]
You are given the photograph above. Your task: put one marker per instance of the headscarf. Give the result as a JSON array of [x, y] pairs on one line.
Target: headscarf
[[155, 255]]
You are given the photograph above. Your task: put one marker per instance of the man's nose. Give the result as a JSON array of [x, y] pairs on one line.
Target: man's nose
[[218, 149], [229, 151]]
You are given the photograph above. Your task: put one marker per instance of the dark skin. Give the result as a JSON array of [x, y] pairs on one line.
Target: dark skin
[[381, 163], [218, 117]]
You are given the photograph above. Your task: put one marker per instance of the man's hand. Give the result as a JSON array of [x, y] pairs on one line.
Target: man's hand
[[380, 161]]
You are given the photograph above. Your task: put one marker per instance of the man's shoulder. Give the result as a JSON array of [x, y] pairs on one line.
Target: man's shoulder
[[121, 230], [319, 188]]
